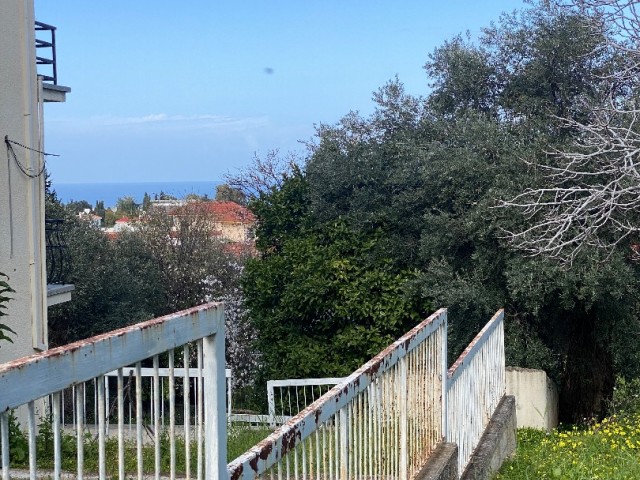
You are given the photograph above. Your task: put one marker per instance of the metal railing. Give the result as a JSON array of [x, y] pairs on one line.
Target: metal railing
[[383, 421], [57, 253], [49, 43], [26, 384], [475, 385], [90, 409], [286, 398]]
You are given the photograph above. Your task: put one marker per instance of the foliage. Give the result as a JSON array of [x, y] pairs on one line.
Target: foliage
[[239, 440], [76, 206], [116, 284], [226, 193], [589, 197], [127, 206], [604, 450], [146, 202], [263, 175], [321, 302], [169, 263], [18, 443], [190, 261], [414, 188], [5, 289], [626, 396]]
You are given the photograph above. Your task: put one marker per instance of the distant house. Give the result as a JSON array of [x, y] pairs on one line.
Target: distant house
[[123, 224], [88, 216], [232, 223]]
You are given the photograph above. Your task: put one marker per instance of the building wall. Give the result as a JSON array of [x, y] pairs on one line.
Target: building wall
[[22, 243], [536, 398]]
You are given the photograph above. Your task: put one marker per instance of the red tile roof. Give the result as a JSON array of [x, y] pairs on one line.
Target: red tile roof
[[223, 212]]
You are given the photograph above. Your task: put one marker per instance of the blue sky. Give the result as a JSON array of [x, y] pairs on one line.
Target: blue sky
[[182, 91]]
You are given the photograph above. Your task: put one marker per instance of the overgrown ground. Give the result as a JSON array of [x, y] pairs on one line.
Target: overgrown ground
[[606, 450], [239, 440]]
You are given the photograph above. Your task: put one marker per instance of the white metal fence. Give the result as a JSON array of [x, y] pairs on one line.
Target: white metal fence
[[90, 410], [475, 385], [286, 398], [25, 381], [382, 421], [385, 419]]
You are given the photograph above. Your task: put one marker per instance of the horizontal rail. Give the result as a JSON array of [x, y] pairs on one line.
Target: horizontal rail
[[38, 375], [286, 438], [162, 372], [35, 384], [299, 382], [475, 345]]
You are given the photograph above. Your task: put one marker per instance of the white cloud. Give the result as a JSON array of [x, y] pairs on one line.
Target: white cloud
[[165, 122]]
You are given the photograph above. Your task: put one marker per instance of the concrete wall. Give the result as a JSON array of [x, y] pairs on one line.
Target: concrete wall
[[496, 444], [442, 464], [22, 243], [536, 397]]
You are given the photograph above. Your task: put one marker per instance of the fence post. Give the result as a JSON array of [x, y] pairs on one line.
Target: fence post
[[215, 402], [272, 404], [444, 375]]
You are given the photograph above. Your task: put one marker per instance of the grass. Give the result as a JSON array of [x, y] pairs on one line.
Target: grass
[[606, 450], [240, 439]]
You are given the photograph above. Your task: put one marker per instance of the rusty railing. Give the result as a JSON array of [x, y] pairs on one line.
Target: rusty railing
[[383, 421], [475, 385], [33, 386]]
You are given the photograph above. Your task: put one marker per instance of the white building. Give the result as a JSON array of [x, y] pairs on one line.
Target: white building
[[22, 221]]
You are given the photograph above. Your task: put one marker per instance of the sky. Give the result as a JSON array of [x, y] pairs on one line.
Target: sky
[[184, 91]]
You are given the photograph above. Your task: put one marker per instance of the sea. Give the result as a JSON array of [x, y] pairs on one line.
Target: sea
[[111, 192]]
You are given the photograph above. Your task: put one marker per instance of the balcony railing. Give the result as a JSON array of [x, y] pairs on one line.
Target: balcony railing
[[58, 262], [43, 44]]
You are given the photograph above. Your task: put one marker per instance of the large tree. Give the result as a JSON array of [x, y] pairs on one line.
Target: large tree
[[415, 186], [591, 193], [321, 298]]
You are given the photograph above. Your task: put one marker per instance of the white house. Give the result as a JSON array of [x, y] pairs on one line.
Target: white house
[[22, 221]]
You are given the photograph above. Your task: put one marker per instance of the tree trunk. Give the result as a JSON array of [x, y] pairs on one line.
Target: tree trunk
[[588, 377]]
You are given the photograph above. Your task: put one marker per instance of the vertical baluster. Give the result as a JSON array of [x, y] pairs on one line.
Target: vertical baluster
[[74, 413], [344, 446], [120, 391], [187, 412], [156, 415], [31, 420], [62, 407], [200, 420], [4, 438], [102, 472], [318, 458], [79, 429], [214, 407], [106, 404], [57, 435], [172, 417], [139, 419]]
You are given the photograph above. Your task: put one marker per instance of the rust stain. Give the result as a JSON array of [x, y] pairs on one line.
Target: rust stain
[[73, 347], [253, 463], [237, 472], [266, 451], [289, 439]]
